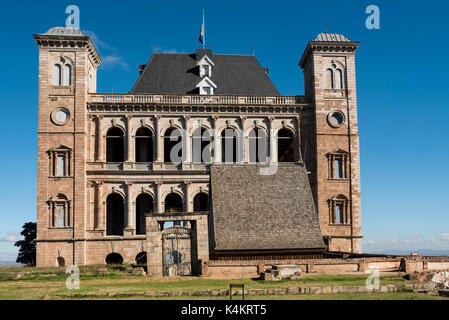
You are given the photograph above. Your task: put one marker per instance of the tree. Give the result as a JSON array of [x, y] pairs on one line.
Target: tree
[[27, 251]]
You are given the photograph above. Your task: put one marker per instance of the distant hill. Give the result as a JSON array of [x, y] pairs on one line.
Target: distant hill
[[6, 263], [421, 252]]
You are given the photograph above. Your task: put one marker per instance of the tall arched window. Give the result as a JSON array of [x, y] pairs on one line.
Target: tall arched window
[[339, 79], [229, 150], [115, 215], [339, 210], [144, 145], [329, 79], [170, 145], [57, 75], [201, 146], [285, 146], [115, 145], [144, 204], [173, 203], [67, 75], [257, 145], [201, 202]]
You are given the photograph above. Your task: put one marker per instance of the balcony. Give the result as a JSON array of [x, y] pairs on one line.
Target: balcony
[[112, 98], [146, 166]]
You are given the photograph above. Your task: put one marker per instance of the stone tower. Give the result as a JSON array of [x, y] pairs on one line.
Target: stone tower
[[68, 63], [333, 156]]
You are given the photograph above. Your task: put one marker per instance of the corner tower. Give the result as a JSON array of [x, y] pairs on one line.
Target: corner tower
[[330, 83], [68, 63]]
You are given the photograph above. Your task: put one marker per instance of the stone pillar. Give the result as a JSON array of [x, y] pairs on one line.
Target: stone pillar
[[298, 155], [129, 140], [188, 202], [242, 147], [158, 141], [99, 212], [154, 247], [188, 143], [273, 142], [130, 225], [217, 141], [100, 140], [159, 208]]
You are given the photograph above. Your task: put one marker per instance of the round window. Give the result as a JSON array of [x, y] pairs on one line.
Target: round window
[[60, 116], [336, 119]]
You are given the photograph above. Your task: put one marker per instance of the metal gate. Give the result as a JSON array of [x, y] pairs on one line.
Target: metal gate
[[176, 251]]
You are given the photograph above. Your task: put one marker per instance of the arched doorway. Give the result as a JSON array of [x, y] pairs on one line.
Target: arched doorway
[[173, 203], [144, 204], [201, 146], [144, 145], [201, 202], [115, 215], [229, 150], [114, 258], [141, 258], [173, 145], [115, 145], [257, 145], [286, 144], [61, 262]]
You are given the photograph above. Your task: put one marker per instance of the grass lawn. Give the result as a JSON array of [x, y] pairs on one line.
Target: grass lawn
[[39, 282]]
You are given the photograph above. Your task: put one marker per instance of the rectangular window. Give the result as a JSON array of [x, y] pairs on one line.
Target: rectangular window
[[206, 70], [207, 90], [339, 219], [60, 216], [338, 168], [60, 166]]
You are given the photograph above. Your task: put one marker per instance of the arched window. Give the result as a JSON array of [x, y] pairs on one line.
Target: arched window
[[115, 145], [114, 258], [257, 145], [339, 79], [329, 79], [285, 146], [57, 75], [67, 81], [144, 204], [201, 146], [229, 149], [144, 145], [61, 262], [60, 211], [115, 215], [201, 202], [173, 203], [141, 258], [173, 144]]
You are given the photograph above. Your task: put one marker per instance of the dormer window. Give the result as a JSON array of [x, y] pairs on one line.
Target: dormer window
[[205, 65], [206, 86]]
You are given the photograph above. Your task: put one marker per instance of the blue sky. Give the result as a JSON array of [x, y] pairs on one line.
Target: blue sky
[[402, 82]]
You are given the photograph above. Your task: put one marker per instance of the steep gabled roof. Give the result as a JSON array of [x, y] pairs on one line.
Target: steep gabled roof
[[178, 73]]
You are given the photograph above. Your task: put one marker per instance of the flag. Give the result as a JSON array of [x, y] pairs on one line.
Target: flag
[[201, 38]]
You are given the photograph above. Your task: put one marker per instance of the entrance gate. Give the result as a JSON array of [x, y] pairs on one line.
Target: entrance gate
[[177, 251]]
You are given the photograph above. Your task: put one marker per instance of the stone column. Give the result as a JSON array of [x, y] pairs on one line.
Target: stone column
[[298, 140], [188, 203], [129, 208], [188, 143], [129, 140], [242, 144], [158, 141], [217, 141], [273, 142], [99, 214], [100, 140], [159, 208]]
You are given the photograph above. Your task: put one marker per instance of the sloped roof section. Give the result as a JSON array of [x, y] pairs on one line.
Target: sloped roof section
[[332, 37], [64, 31], [178, 73], [263, 212]]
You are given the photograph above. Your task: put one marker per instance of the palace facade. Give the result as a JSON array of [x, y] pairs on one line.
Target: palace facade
[[109, 191]]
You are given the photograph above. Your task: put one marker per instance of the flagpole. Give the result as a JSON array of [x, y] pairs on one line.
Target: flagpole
[[204, 31]]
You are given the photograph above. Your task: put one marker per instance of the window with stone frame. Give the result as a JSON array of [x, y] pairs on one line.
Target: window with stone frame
[[60, 161], [339, 210], [59, 211], [338, 164]]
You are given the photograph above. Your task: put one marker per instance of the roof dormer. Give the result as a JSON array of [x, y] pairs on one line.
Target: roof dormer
[[205, 64], [206, 86]]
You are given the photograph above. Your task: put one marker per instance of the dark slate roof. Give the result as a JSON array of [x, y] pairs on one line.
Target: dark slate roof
[[178, 73], [263, 212]]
